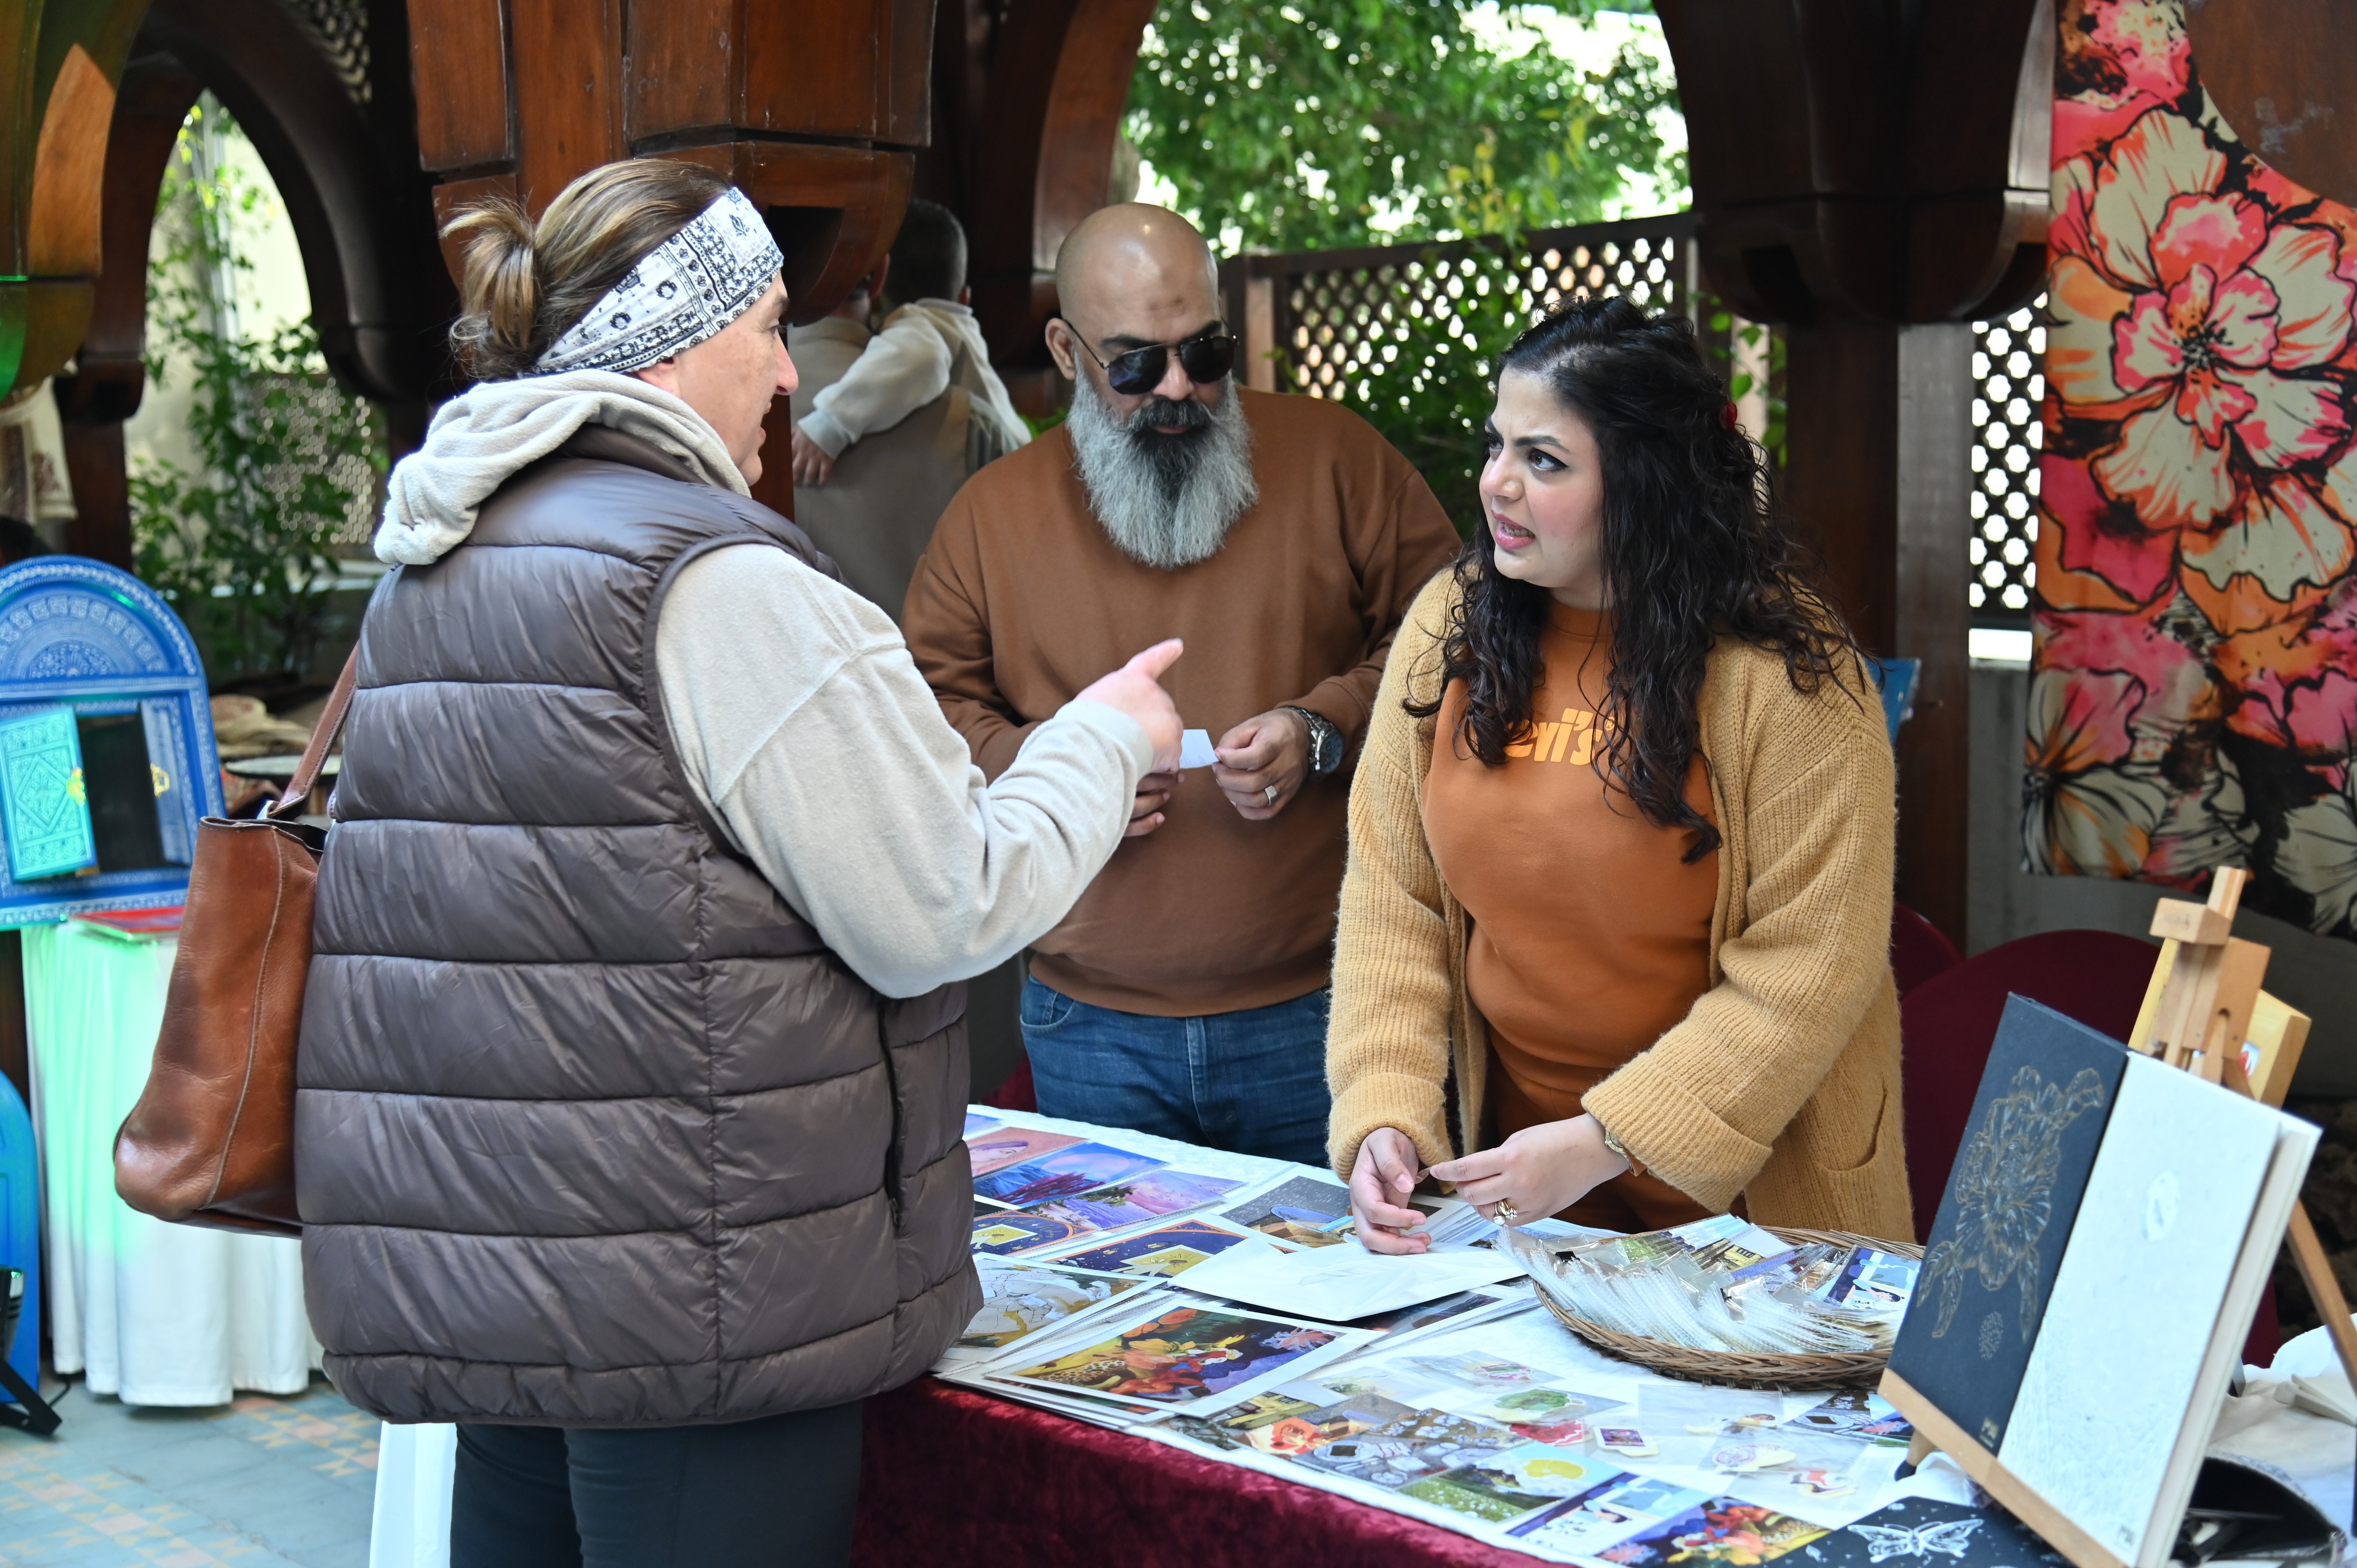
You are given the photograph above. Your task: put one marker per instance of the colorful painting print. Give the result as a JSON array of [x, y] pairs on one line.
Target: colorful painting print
[[1482, 1492], [1019, 1300], [1610, 1511], [1167, 1249], [1720, 1533], [1534, 1407], [1148, 1197], [999, 1235], [1422, 1443], [974, 1123], [1291, 1436], [1062, 1173], [1550, 1472], [994, 1151], [1183, 1357], [2193, 699], [1305, 1211]]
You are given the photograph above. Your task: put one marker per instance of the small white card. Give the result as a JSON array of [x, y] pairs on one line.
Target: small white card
[[1195, 750]]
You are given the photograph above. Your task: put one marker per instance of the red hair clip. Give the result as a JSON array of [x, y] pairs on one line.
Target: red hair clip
[[1727, 415]]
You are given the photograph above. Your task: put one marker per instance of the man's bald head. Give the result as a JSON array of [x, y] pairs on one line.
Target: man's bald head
[[1131, 277], [1134, 258]]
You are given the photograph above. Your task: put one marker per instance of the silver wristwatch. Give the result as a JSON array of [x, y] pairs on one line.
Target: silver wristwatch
[[1325, 742]]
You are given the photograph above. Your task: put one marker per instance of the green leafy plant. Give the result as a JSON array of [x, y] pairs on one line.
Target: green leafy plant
[[243, 547], [1321, 123]]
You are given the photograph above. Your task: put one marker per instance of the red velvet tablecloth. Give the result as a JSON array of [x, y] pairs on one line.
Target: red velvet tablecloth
[[952, 1476]]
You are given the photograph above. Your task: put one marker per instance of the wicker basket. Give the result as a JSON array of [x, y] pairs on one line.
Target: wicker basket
[[1862, 1370]]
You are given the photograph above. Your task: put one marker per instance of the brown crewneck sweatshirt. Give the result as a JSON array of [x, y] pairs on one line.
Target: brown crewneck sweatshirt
[[1022, 599], [1590, 937]]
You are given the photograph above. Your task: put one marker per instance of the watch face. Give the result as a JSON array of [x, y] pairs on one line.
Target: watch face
[[1329, 751]]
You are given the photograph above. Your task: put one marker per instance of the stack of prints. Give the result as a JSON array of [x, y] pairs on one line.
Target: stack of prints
[[1468, 1411]]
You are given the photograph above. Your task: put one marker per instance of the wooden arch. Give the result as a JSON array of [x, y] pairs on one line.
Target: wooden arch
[[1035, 151], [337, 138]]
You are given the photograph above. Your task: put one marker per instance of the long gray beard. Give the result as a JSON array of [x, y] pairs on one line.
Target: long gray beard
[[1167, 501]]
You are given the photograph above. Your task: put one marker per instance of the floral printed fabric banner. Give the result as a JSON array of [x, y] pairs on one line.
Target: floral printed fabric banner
[[2193, 700]]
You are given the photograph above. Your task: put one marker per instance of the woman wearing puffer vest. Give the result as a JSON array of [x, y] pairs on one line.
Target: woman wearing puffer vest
[[632, 1074]]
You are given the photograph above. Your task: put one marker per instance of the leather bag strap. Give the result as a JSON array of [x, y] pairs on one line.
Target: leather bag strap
[[323, 736]]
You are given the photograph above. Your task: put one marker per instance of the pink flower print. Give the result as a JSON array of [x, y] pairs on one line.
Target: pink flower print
[[2097, 534], [2174, 684], [2193, 312], [2234, 306], [2139, 52], [2086, 808], [2324, 717]]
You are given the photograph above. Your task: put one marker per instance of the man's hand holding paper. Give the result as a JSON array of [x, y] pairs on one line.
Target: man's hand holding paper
[[1270, 751]]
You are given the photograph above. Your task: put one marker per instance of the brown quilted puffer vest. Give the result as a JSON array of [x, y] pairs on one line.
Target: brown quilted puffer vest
[[592, 1128]]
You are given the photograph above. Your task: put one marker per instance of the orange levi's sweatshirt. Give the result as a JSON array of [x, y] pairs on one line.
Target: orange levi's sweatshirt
[[1022, 600], [1590, 934]]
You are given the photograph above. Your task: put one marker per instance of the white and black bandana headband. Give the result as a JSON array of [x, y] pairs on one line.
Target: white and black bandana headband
[[682, 291]]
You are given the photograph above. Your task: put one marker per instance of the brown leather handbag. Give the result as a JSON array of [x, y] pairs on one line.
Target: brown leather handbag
[[212, 1140]]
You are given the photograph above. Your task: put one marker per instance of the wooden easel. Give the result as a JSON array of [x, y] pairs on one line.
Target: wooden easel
[[2197, 1012], [2197, 1015]]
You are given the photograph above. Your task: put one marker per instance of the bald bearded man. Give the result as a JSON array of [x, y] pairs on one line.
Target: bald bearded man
[[1185, 994]]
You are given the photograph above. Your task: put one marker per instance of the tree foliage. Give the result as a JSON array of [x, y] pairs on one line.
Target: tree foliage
[[243, 548], [1323, 123]]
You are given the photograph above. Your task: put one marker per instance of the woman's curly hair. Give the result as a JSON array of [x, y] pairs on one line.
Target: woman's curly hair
[[1692, 550]]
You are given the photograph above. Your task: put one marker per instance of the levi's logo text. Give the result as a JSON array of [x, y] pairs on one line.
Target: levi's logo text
[[1570, 739]]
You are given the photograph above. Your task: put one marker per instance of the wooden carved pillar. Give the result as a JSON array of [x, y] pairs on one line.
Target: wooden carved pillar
[[66, 61], [337, 142], [110, 373], [1880, 476], [1059, 82], [1874, 180], [814, 109]]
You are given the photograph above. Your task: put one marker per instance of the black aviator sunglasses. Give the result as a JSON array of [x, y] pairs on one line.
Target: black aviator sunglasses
[[1206, 358]]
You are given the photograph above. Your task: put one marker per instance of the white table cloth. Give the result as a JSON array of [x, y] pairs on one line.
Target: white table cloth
[[156, 1313]]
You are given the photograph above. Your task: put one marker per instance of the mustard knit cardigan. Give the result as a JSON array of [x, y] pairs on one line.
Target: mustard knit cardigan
[[1781, 1083]]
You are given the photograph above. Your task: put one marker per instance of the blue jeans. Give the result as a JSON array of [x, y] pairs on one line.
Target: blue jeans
[[1251, 1082]]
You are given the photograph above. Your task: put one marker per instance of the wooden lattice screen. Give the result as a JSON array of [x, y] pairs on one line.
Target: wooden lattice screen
[[2008, 386], [1334, 323]]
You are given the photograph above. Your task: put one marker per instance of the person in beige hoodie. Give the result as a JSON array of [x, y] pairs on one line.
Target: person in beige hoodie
[[1621, 839]]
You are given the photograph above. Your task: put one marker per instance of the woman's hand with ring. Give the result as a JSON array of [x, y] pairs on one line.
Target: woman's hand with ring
[[1537, 1172], [1381, 1179]]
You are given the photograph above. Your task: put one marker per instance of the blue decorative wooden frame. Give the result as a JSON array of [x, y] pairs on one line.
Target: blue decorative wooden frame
[[81, 632]]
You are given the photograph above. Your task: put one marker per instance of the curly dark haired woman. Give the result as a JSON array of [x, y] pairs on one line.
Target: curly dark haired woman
[[1621, 839]]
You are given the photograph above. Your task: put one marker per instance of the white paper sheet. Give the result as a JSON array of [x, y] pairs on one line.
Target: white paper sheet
[[1195, 748], [1346, 1282]]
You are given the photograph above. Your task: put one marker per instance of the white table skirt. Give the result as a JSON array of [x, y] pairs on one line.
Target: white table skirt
[[158, 1313]]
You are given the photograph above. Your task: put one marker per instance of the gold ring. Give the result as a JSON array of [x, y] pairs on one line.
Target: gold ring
[[1505, 1213]]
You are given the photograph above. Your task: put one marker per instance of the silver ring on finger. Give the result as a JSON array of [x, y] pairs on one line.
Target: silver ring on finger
[[1505, 1213], [1269, 794]]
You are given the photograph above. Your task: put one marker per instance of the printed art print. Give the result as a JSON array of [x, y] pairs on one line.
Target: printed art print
[[2193, 700], [1168, 1251], [1062, 1173], [1182, 1357]]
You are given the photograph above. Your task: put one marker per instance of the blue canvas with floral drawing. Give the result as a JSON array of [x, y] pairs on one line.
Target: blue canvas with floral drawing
[[2012, 1195]]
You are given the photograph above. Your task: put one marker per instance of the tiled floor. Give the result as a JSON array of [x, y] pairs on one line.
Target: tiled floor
[[259, 1483]]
